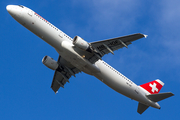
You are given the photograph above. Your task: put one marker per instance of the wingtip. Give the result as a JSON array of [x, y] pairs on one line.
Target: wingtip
[[145, 36]]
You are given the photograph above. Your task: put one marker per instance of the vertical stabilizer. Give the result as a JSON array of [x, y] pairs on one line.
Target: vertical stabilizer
[[153, 87]]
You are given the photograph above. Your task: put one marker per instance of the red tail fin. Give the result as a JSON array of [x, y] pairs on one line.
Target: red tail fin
[[153, 87]]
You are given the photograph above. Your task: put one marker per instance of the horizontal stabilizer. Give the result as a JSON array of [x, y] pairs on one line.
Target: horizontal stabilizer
[[159, 96], [141, 108]]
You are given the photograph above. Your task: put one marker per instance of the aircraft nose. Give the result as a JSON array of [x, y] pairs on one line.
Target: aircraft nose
[[9, 8], [13, 10]]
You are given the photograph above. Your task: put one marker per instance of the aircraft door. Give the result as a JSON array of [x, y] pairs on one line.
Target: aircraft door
[[61, 34], [137, 90], [30, 13]]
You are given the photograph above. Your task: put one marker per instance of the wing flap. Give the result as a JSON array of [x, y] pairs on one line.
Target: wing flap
[[62, 75], [58, 81], [55, 86]]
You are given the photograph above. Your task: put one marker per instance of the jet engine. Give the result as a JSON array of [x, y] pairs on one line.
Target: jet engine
[[50, 63], [81, 43]]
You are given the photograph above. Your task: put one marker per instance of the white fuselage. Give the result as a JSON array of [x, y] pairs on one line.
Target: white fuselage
[[63, 45]]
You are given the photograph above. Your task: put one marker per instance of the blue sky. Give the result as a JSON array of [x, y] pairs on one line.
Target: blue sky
[[25, 81]]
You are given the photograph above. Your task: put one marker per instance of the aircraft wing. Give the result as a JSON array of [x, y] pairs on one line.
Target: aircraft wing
[[62, 75], [108, 46]]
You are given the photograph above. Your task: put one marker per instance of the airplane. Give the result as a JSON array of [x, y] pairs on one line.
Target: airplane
[[77, 55]]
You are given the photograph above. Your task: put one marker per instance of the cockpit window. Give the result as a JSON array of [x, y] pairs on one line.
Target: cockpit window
[[21, 6]]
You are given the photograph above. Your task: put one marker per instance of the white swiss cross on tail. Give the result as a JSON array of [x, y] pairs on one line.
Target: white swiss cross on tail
[[153, 87]]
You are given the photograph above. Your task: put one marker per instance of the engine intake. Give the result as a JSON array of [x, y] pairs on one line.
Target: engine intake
[[81, 43], [50, 63]]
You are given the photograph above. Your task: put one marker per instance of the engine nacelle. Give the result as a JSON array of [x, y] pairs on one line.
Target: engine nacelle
[[50, 62], [80, 43]]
